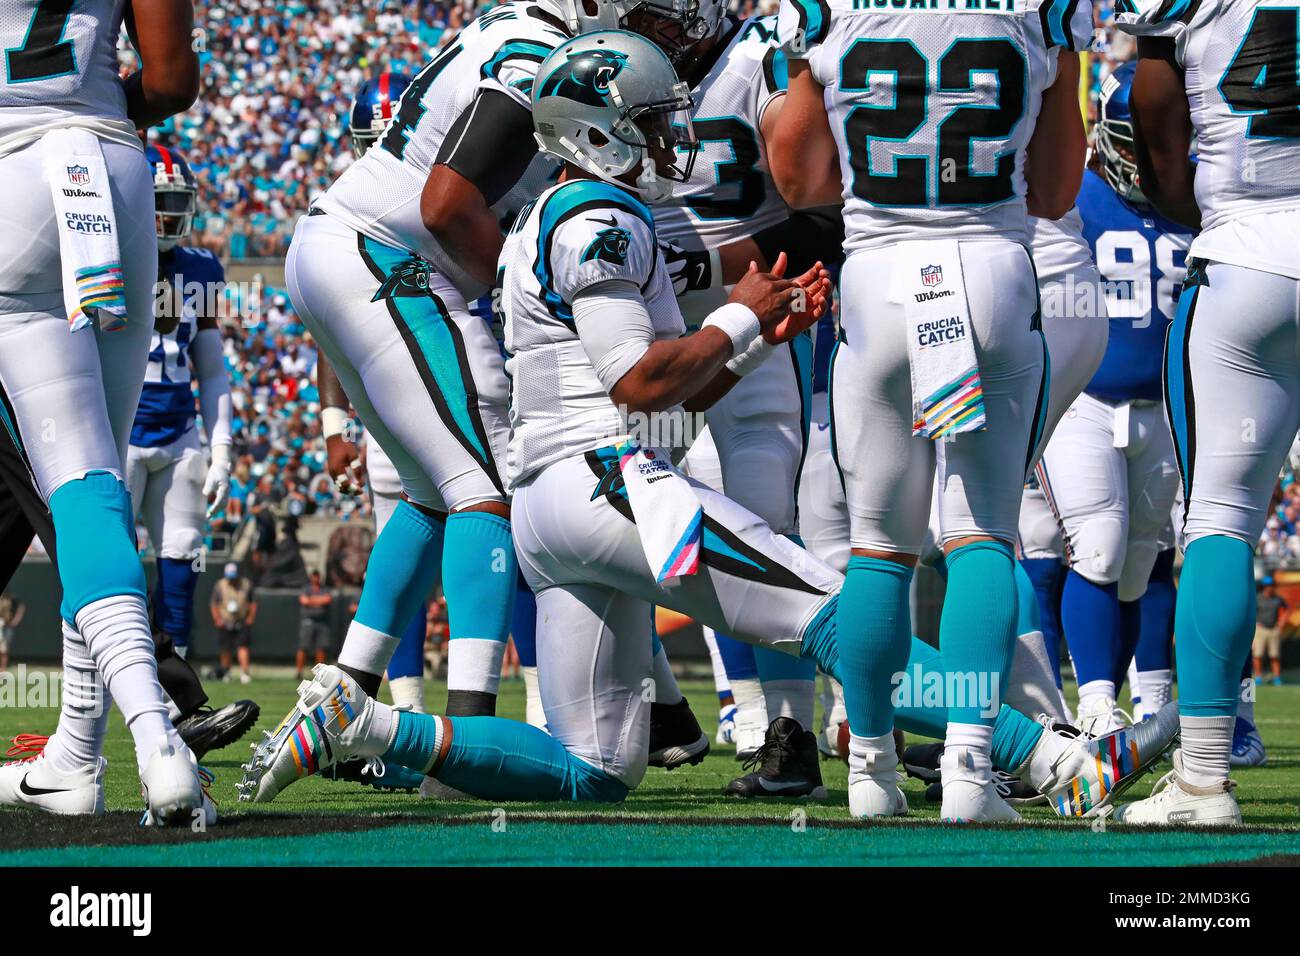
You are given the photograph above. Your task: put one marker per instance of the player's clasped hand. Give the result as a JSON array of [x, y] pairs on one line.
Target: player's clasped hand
[[344, 462], [785, 307]]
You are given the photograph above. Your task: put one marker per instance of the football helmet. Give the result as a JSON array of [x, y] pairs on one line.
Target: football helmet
[[373, 108], [606, 102], [1114, 142], [675, 25], [175, 193]]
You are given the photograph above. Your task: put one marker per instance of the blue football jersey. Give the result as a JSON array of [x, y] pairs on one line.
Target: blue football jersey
[[1142, 258], [167, 407]]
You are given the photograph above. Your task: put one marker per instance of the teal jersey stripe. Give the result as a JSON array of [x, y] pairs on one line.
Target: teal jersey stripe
[[512, 49], [428, 325]]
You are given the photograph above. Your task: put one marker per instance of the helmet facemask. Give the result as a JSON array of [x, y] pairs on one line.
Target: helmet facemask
[[174, 208], [675, 26], [361, 142], [1117, 149]]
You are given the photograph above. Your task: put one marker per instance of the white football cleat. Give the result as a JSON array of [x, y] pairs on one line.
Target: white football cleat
[[873, 784], [206, 811], [1175, 802], [969, 793], [1099, 716], [173, 790], [34, 783], [330, 723], [1085, 774]]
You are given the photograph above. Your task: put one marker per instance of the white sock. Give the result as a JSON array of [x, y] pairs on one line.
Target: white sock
[[474, 664], [366, 649], [533, 711], [116, 632], [977, 737], [1206, 745], [1031, 685], [872, 752], [408, 693], [751, 705], [1093, 690], [666, 689], [791, 698], [1246, 699], [1157, 689], [720, 680], [83, 720]]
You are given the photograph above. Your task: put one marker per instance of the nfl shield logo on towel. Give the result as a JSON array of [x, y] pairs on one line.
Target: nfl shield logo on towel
[[931, 275], [78, 175]]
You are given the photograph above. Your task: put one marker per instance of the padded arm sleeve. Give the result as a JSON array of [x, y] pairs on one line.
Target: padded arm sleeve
[[614, 327], [490, 144], [214, 385]]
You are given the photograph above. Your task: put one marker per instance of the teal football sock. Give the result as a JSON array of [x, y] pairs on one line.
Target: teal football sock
[[977, 631], [498, 759], [1215, 623], [403, 566], [873, 630], [479, 575]]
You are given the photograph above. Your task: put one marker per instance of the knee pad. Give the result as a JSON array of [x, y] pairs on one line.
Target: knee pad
[[97, 556], [173, 599], [1136, 572], [760, 475], [1097, 547]]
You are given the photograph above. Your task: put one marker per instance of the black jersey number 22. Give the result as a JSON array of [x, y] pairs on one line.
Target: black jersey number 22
[[909, 180]]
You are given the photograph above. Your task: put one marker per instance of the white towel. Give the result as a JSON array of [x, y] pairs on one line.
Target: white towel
[[93, 284], [669, 516], [947, 397]]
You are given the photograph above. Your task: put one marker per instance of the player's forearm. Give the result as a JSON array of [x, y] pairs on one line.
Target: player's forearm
[[672, 372], [329, 386], [457, 215], [1162, 127], [802, 155], [214, 385], [1055, 156], [168, 80]]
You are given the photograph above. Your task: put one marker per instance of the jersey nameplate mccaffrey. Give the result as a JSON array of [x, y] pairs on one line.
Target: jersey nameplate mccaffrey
[[937, 6]]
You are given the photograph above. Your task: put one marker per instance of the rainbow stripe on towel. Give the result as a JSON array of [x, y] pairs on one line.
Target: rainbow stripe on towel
[[957, 407], [101, 291]]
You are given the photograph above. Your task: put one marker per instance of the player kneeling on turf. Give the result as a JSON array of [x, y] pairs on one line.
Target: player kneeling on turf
[[604, 525]]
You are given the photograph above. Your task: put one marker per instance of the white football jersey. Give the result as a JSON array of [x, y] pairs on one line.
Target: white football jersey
[[1239, 61], [575, 235], [379, 194], [730, 194], [60, 61], [932, 104]]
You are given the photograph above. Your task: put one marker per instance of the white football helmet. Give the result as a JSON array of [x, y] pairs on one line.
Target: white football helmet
[[694, 19], [604, 100]]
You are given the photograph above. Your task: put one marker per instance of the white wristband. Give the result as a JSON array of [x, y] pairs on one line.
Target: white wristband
[[751, 358], [333, 421], [739, 323]]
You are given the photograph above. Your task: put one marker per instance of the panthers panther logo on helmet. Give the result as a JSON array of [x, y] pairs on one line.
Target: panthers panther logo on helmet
[[585, 77], [610, 245]]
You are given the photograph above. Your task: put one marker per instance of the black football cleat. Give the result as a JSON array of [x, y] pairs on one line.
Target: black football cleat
[[675, 736], [207, 729], [786, 765], [922, 761]]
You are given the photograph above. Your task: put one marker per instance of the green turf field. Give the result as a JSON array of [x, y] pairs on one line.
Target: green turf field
[[677, 818]]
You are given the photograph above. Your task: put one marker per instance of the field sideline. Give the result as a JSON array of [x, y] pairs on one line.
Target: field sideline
[[678, 818]]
